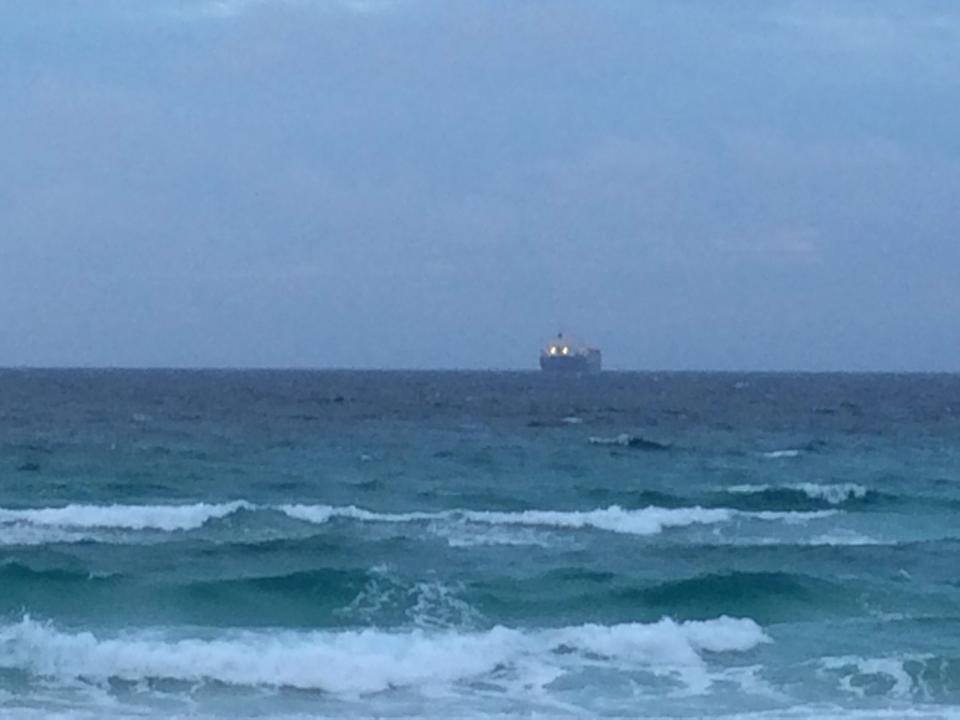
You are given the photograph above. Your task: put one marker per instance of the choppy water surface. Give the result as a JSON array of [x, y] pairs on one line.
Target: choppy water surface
[[343, 544]]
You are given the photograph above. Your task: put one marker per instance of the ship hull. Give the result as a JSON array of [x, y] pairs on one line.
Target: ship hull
[[571, 364]]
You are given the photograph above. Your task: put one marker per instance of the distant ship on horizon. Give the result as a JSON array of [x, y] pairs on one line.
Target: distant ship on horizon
[[563, 354]]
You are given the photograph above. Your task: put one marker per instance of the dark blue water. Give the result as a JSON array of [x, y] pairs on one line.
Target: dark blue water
[[364, 544]]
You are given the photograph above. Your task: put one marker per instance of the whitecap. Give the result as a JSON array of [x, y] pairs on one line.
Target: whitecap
[[30, 535], [842, 537], [790, 517], [835, 494], [370, 660], [321, 514], [645, 521], [130, 517], [66, 522], [782, 454]]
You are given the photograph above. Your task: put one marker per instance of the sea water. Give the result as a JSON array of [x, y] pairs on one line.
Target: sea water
[[482, 545]]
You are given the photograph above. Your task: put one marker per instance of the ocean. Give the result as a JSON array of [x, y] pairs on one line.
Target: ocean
[[341, 544]]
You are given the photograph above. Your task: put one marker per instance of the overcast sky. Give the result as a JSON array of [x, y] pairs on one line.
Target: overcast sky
[[445, 183]]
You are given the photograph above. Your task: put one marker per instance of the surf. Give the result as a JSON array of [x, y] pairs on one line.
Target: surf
[[369, 660], [649, 520]]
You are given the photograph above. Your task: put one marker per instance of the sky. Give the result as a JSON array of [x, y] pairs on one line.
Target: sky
[[687, 184]]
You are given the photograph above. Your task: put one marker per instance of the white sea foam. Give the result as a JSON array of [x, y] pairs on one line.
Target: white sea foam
[[782, 454], [32, 535], [831, 493], [68, 523], [800, 712], [368, 661], [850, 672], [645, 521], [437, 606], [832, 712], [429, 604], [130, 517], [823, 711], [466, 535], [840, 537], [324, 513], [790, 517], [623, 439], [837, 538]]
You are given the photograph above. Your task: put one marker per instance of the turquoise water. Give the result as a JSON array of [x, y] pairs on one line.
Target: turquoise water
[[349, 544]]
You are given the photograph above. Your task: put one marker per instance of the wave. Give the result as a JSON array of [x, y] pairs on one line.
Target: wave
[[28, 535], [767, 596], [127, 517], [645, 521], [464, 535], [320, 514], [913, 677], [14, 572], [803, 495], [171, 518], [370, 661], [833, 494], [839, 537], [781, 454], [816, 711], [300, 582], [574, 594], [319, 597], [634, 497], [790, 517], [380, 597]]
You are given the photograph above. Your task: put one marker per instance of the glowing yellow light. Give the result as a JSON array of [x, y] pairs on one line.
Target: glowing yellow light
[[566, 350], [553, 349]]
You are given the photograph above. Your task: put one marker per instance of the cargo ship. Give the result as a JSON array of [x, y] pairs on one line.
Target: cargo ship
[[565, 355]]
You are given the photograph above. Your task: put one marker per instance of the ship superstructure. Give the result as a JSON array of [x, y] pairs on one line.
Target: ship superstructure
[[565, 354]]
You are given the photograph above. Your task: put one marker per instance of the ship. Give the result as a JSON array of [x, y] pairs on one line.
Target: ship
[[563, 354]]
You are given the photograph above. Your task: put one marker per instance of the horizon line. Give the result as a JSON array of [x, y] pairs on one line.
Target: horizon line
[[527, 370]]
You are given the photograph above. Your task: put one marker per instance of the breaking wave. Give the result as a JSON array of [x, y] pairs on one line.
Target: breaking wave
[[834, 494], [369, 661], [782, 454], [128, 517], [644, 521], [65, 522]]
